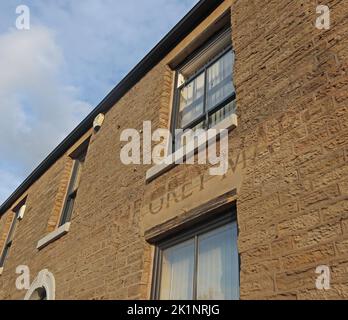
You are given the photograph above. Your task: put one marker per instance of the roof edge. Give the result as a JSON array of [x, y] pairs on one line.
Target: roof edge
[[195, 16]]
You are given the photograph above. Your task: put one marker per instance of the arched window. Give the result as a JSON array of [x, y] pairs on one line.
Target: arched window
[[43, 287], [39, 294]]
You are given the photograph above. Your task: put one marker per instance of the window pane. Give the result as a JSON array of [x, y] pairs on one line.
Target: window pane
[[218, 265], [68, 209], [220, 82], [191, 101], [73, 187], [177, 272], [76, 175], [222, 114], [4, 255], [181, 139], [12, 229]]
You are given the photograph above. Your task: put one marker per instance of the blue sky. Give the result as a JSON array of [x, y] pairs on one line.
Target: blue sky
[[54, 74]]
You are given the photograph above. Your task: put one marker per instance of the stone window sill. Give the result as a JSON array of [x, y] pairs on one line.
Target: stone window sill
[[229, 123], [53, 236], [1, 270]]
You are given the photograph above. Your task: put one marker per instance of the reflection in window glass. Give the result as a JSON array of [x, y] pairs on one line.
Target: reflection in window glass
[[222, 113], [73, 188], [209, 97], [192, 101], [220, 82]]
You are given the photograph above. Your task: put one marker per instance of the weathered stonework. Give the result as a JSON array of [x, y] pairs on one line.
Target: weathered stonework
[[288, 171]]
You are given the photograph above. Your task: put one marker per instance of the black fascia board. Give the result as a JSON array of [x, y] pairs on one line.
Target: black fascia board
[[195, 16]]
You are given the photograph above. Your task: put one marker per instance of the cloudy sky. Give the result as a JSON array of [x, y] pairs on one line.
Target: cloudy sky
[[53, 75]]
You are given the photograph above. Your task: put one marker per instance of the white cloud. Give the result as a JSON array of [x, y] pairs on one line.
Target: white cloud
[[50, 80], [37, 110], [102, 40]]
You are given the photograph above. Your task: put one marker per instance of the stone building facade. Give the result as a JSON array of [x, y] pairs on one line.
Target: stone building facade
[[286, 188]]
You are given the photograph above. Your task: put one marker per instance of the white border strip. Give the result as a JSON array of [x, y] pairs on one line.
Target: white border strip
[[229, 123], [53, 236]]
